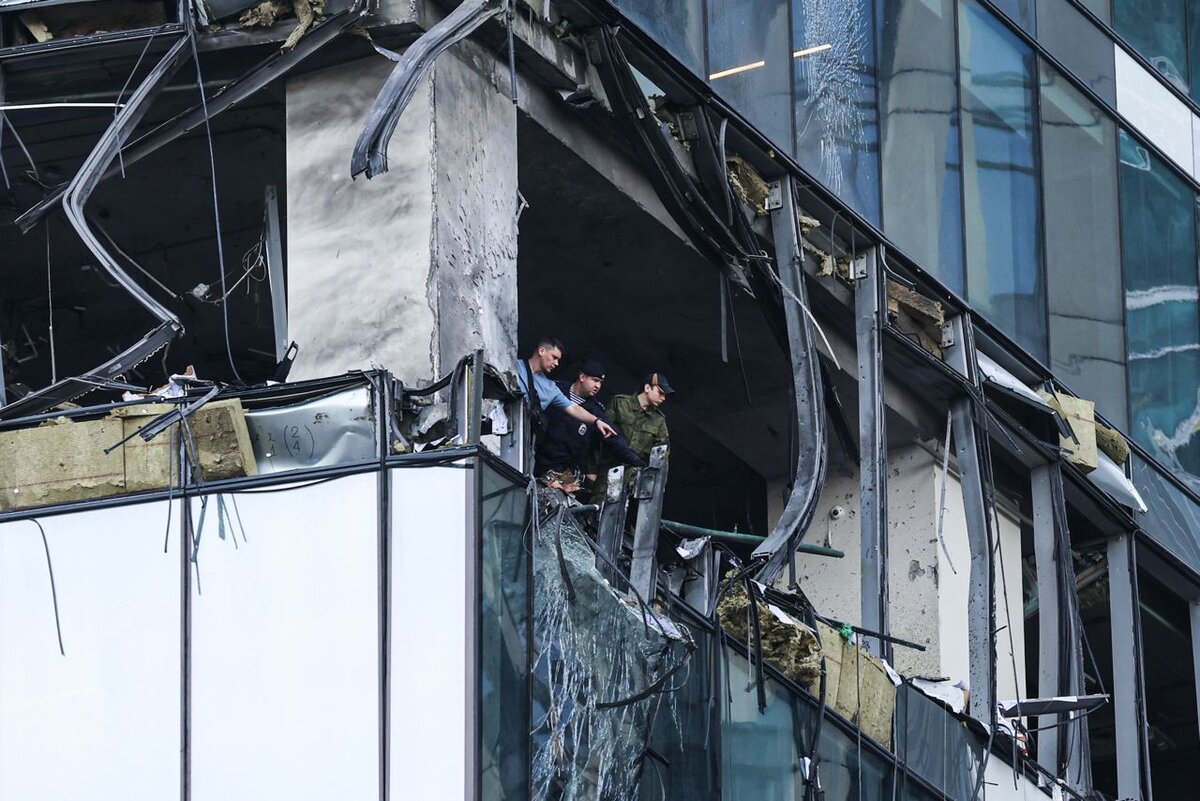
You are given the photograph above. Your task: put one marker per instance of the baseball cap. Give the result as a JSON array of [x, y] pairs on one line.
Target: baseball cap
[[591, 367], [660, 380]]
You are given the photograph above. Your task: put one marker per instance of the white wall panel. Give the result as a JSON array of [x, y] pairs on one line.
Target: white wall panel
[[1154, 110]]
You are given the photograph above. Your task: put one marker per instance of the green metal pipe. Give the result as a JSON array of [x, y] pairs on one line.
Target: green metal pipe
[[683, 529]]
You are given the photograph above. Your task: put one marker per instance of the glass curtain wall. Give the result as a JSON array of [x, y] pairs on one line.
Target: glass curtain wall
[[837, 130], [922, 167], [1002, 204], [1158, 29], [1158, 222], [678, 25], [749, 62], [1083, 252]]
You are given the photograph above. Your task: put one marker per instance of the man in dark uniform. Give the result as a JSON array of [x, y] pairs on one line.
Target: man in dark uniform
[[565, 446], [639, 418]]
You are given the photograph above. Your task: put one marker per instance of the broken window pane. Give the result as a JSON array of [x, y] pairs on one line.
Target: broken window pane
[[837, 132], [101, 722], [1173, 519], [918, 92], [504, 626], [1158, 244], [749, 63], [284, 644], [1000, 178], [1079, 179]]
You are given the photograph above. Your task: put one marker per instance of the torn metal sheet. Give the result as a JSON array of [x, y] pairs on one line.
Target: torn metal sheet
[[370, 152], [331, 430], [235, 92], [1111, 479], [76, 195], [994, 373], [808, 395]]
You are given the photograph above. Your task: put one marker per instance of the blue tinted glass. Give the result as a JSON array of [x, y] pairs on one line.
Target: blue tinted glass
[[1158, 234], [504, 634], [1019, 11], [1000, 178], [1173, 519], [922, 173], [678, 25], [1083, 282], [837, 133], [1158, 30], [760, 754], [749, 63]]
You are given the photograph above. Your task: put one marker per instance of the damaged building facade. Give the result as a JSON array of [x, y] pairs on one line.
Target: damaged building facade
[[923, 272]]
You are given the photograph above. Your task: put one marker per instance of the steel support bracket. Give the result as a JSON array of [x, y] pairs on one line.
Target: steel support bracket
[[643, 570]]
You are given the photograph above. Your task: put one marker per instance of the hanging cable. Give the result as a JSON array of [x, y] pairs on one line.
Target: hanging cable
[[50, 308], [53, 589], [212, 163]]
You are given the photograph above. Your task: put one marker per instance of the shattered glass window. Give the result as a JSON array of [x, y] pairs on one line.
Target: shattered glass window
[[922, 168], [678, 25], [101, 719], [837, 129], [504, 638], [1158, 245], [1083, 282], [998, 82], [682, 739], [749, 63], [1158, 30]]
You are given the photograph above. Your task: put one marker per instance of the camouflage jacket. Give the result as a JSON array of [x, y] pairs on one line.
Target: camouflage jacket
[[644, 428]]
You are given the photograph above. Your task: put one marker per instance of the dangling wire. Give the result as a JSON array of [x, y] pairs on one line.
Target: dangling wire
[[212, 163], [53, 590], [50, 305]]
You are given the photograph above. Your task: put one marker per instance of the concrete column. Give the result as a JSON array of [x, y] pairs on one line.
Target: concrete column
[[417, 267]]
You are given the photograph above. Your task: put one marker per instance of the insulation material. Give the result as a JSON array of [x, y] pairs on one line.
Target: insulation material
[[851, 673], [147, 464], [916, 317], [602, 671], [1081, 415], [1110, 442], [858, 686], [84, 19], [793, 649], [60, 461]]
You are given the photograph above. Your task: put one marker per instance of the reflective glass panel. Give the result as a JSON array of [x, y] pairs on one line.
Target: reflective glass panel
[[760, 754], [749, 64], [1158, 30], [504, 638], [1083, 275], [1019, 11], [682, 734], [1173, 519], [678, 25], [100, 721], [922, 172], [1081, 46], [1000, 178], [285, 643], [1158, 244], [1101, 8], [837, 132]]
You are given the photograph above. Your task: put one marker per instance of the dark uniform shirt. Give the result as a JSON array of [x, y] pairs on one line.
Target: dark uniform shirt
[[566, 443], [644, 428]]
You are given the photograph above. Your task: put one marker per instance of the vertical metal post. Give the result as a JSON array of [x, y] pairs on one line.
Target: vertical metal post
[[643, 571], [1194, 610], [514, 446], [869, 307], [699, 592], [612, 521], [1122, 610], [474, 428], [1045, 550], [273, 240], [383, 407], [185, 620], [981, 611]]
